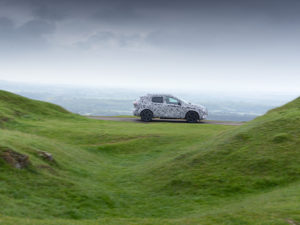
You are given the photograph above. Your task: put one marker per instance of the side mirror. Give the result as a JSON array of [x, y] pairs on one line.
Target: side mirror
[[179, 103]]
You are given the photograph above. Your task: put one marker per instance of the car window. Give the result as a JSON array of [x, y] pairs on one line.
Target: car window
[[171, 100], [157, 99]]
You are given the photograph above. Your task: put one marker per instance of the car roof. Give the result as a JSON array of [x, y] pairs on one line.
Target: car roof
[[159, 94]]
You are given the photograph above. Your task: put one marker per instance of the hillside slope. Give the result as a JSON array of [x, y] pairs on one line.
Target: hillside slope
[[262, 154], [14, 106], [107, 172]]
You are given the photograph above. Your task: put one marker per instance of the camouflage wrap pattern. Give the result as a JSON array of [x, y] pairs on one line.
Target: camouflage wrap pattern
[[165, 110]]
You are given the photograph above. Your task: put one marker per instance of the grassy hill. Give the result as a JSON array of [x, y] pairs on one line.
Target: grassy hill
[[12, 106], [107, 172], [262, 154]]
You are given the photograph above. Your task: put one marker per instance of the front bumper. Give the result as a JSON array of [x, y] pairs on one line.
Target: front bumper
[[204, 113]]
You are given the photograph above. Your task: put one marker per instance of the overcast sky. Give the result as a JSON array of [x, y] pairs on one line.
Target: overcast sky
[[231, 45]]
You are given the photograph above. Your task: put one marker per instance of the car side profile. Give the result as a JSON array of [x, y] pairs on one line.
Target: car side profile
[[167, 106]]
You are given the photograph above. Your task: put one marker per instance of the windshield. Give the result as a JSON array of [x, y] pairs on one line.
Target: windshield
[[186, 102]]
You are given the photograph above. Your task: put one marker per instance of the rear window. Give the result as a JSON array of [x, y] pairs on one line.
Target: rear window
[[157, 99]]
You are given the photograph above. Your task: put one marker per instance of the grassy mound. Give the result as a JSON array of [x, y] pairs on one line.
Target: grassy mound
[[14, 106], [262, 154], [107, 172]]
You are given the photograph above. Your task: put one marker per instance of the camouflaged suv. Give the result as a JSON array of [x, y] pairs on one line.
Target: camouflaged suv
[[167, 107]]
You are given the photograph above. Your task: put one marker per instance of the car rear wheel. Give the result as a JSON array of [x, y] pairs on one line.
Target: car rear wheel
[[192, 117], [146, 115]]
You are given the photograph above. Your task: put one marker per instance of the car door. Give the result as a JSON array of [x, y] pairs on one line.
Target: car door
[[172, 107], [157, 106]]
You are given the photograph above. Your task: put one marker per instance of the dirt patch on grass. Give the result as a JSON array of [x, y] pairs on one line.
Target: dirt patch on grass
[[14, 159]]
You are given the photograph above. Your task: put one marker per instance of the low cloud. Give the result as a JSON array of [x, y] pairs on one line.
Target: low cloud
[[36, 28], [30, 35], [107, 39], [121, 13]]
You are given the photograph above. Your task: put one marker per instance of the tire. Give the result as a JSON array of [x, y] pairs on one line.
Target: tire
[[192, 117], [146, 115]]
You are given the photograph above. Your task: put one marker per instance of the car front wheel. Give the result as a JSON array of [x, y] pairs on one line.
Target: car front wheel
[[192, 117], [146, 115]]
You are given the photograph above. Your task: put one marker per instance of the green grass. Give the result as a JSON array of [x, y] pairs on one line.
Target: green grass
[[108, 172]]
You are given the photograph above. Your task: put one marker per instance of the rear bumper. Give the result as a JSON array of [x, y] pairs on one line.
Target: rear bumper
[[136, 112]]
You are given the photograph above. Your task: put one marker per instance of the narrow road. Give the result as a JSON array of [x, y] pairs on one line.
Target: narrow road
[[137, 120]]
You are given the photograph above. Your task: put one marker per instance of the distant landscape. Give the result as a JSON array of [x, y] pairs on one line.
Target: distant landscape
[[106, 101]]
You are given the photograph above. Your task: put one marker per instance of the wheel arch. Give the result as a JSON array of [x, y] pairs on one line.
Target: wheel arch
[[146, 109]]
